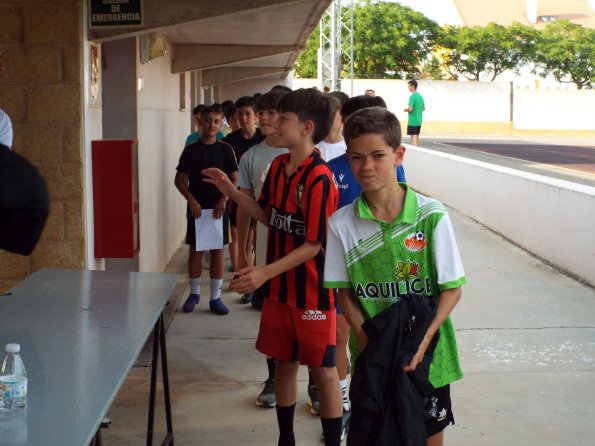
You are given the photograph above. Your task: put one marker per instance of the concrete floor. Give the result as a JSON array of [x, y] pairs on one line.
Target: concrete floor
[[526, 334]]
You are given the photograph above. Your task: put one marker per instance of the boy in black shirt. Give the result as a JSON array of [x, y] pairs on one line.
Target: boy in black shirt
[[207, 152], [241, 140]]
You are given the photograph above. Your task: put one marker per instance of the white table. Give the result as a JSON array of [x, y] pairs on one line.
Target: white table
[[80, 333]]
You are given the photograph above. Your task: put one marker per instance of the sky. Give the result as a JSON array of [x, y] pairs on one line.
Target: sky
[[441, 11]]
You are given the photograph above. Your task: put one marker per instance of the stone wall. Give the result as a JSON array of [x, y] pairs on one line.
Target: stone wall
[[41, 90]]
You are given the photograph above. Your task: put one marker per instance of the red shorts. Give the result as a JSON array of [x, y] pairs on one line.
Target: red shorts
[[294, 334]]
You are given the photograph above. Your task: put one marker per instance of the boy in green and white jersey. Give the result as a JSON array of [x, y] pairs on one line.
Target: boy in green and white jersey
[[392, 241]]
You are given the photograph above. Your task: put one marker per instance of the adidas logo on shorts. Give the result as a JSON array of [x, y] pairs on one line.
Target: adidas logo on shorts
[[313, 315]]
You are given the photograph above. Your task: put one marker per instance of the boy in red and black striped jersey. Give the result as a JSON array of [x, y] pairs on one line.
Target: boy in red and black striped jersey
[[298, 316]]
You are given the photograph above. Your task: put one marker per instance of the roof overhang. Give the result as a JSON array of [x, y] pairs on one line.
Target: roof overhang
[[228, 38]]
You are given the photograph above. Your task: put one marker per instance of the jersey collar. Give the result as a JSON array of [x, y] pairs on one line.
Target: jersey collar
[[407, 215]]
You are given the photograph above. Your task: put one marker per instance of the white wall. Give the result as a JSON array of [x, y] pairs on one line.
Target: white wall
[[162, 130], [486, 102], [550, 218], [554, 109]]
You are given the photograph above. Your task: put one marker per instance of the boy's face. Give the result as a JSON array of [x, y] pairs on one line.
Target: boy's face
[[247, 118], [267, 120], [233, 122], [411, 88], [210, 123], [196, 120], [373, 161], [290, 130]]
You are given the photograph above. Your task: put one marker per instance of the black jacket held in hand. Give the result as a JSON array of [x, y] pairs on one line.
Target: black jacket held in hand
[[23, 203], [386, 402]]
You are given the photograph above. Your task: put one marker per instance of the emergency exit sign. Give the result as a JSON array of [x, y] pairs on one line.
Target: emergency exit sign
[[114, 13]]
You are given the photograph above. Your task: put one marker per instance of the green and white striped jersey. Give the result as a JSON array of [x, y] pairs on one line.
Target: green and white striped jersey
[[416, 254]]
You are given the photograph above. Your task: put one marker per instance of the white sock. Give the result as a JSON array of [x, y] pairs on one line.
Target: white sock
[[194, 285], [343, 383], [216, 285]]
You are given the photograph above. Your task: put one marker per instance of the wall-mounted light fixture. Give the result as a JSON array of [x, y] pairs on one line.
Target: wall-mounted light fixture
[[152, 46]]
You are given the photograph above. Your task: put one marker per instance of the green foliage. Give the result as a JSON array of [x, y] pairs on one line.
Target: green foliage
[[567, 52], [485, 51], [394, 41], [306, 65], [390, 41]]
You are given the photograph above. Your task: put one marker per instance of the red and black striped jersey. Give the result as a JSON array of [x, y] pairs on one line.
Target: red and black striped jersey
[[298, 207]]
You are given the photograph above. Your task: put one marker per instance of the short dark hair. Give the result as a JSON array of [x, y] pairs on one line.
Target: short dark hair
[[198, 109], [226, 104], [358, 102], [414, 83], [376, 120], [309, 104], [280, 87], [215, 108], [335, 103], [342, 97], [270, 100], [229, 110], [246, 101]]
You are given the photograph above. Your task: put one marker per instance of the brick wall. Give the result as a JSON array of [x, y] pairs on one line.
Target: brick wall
[[41, 90]]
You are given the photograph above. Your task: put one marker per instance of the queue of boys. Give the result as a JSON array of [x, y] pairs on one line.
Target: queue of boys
[[320, 176]]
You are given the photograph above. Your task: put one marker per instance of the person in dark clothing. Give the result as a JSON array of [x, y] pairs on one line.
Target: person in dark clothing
[[24, 200]]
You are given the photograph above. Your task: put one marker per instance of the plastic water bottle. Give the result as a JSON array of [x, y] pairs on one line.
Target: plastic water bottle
[[13, 381]]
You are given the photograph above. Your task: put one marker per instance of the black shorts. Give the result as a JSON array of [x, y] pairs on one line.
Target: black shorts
[[233, 212], [191, 230], [413, 129], [438, 411]]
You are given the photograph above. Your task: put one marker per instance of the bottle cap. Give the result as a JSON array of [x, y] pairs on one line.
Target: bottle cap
[[13, 348]]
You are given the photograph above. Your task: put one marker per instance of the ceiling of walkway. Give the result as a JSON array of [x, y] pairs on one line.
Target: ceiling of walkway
[[229, 40]]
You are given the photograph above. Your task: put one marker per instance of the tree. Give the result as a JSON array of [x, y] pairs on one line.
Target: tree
[[306, 65], [389, 41], [485, 51], [566, 51]]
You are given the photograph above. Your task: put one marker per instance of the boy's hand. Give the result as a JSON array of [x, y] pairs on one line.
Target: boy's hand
[[248, 279], [416, 359], [195, 209], [219, 209], [220, 180]]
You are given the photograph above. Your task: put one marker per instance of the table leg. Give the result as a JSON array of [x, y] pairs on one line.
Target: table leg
[[159, 345]]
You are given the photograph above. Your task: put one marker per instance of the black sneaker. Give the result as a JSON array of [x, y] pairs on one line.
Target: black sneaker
[[313, 399], [267, 396], [246, 298]]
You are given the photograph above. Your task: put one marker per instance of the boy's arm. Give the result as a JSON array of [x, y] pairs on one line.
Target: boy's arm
[[447, 300], [220, 206], [354, 316], [251, 278], [243, 222], [221, 181], [181, 182]]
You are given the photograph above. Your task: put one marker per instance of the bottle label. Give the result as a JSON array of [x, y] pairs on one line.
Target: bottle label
[[13, 386]]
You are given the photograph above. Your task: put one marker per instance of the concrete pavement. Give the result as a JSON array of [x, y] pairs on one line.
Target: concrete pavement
[[526, 334]]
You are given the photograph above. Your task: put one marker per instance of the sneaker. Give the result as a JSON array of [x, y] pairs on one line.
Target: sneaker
[[267, 396], [246, 298], [190, 303], [313, 399], [218, 307], [345, 421]]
